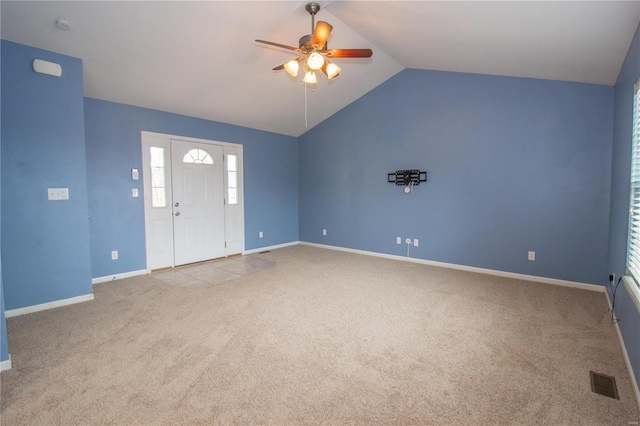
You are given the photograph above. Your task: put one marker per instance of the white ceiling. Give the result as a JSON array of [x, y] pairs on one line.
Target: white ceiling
[[200, 59]]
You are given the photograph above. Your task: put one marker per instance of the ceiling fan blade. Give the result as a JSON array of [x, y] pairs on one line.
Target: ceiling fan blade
[[279, 67], [321, 34], [283, 46], [349, 53]]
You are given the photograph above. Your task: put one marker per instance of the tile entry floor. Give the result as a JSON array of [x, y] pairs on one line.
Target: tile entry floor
[[213, 271]]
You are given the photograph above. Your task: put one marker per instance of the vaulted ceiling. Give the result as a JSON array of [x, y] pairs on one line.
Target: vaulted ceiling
[[200, 58]]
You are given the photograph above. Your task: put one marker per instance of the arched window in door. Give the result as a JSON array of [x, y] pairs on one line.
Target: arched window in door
[[197, 156]]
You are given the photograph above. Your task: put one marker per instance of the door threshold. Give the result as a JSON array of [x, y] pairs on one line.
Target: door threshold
[[186, 265], [201, 262]]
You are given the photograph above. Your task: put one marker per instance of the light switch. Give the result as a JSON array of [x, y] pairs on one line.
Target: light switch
[[58, 194], [134, 192], [135, 175]]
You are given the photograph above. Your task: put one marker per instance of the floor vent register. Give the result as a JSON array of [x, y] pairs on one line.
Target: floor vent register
[[603, 385]]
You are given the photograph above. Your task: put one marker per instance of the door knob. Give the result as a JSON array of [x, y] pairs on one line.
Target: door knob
[[177, 213]]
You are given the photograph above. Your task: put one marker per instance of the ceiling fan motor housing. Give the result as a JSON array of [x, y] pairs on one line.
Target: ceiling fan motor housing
[[305, 41]]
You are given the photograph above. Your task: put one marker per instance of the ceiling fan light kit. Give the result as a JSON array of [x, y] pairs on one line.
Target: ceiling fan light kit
[[313, 48]]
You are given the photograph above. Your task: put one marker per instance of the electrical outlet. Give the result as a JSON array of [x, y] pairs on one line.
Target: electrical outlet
[[415, 242], [324, 232], [612, 279], [398, 240], [532, 255], [114, 255], [260, 234]]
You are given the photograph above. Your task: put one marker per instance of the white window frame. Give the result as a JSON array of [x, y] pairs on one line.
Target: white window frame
[[231, 200], [633, 238], [153, 180]]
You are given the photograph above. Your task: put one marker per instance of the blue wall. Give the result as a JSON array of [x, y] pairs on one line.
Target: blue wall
[[626, 311], [45, 244], [4, 345], [513, 165], [113, 144]]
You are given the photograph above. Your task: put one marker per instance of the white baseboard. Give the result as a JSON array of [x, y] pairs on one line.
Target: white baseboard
[[534, 278], [5, 365], [108, 278], [277, 246], [49, 305], [627, 360]]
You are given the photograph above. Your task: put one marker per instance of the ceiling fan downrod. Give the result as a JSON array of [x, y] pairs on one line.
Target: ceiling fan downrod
[[313, 8]]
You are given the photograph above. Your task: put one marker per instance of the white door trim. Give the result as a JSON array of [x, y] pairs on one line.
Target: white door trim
[[149, 139]]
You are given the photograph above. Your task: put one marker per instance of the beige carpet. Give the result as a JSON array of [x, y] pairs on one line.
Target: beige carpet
[[319, 337]]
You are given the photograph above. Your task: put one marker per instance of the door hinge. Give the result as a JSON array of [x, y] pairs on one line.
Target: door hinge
[[225, 244]]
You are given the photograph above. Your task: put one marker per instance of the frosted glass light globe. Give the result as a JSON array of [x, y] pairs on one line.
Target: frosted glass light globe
[[292, 67], [315, 61], [310, 77]]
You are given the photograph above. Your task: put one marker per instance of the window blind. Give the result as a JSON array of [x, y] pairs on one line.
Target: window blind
[[633, 249]]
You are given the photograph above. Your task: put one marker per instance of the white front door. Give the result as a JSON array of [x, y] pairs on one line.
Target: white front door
[[198, 201]]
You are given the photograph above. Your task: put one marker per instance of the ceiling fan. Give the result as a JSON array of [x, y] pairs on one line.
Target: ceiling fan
[[314, 52]]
